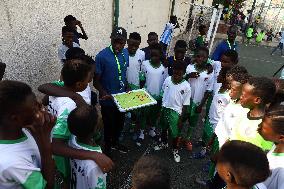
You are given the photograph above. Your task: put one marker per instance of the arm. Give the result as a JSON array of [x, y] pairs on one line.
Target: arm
[[61, 148], [59, 91], [84, 36]]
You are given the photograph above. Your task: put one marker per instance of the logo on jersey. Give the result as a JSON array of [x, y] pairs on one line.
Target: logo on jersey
[[206, 78], [182, 92], [219, 101]]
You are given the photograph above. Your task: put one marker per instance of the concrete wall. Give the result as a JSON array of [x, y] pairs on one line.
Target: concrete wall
[[31, 32]]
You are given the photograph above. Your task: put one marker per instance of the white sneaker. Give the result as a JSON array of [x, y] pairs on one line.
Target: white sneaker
[[176, 156], [152, 132], [161, 146]]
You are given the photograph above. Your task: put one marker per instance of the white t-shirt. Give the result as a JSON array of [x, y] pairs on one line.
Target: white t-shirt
[[134, 67], [275, 159], [155, 78], [275, 181], [226, 122], [199, 85], [176, 95], [20, 164], [216, 69], [86, 174], [61, 108], [62, 50], [219, 103]]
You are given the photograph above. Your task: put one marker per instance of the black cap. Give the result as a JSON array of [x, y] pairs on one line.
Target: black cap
[[119, 33]]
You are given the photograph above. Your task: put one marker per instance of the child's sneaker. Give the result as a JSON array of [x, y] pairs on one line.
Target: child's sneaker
[[152, 132], [140, 138], [176, 156], [160, 146]]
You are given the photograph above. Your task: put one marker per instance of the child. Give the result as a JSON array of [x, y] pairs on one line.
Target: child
[[82, 123], [272, 129], [260, 37], [167, 34], [152, 39], [176, 98], [236, 78], [2, 70], [67, 42], [26, 156], [151, 173], [200, 40], [154, 75], [180, 50], [256, 94], [136, 57], [201, 82], [76, 75], [242, 165], [249, 34], [71, 22]]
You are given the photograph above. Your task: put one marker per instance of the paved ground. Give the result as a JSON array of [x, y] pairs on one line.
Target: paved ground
[[259, 62]]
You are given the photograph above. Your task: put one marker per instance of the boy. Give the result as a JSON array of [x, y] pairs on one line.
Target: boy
[[249, 34], [180, 50], [67, 42], [26, 156], [280, 45], [167, 34], [136, 57], [152, 39], [2, 70], [260, 37], [200, 78], [76, 75], [256, 94], [154, 75], [229, 44], [236, 168], [86, 174], [200, 40], [236, 78], [71, 22], [176, 98], [150, 172], [272, 129]]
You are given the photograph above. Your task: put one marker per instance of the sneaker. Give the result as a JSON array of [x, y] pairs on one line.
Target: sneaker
[[161, 146], [152, 132], [120, 148], [139, 142], [176, 156]]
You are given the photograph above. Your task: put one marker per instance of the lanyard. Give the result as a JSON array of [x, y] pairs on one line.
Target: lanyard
[[118, 64], [229, 44]]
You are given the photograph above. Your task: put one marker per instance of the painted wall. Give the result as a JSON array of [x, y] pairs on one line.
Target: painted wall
[[31, 32]]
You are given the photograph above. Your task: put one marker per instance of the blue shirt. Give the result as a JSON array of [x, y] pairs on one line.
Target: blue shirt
[[221, 48], [106, 66], [147, 53]]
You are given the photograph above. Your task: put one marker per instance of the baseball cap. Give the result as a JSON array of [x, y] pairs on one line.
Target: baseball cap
[[119, 33]]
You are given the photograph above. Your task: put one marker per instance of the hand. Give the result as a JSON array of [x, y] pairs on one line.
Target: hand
[[104, 162], [42, 125], [193, 75], [79, 100], [198, 109], [78, 23], [106, 97]]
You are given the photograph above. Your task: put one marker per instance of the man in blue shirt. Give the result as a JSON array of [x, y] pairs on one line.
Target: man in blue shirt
[[110, 78], [228, 44]]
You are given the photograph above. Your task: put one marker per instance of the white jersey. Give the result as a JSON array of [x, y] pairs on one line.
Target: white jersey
[[134, 67], [219, 103], [216, 69], [61, 107], [62, 49], [155, 78], [86, 174], [226, 122], [275, 159], [199, 85], [176, 95], [20, 164]]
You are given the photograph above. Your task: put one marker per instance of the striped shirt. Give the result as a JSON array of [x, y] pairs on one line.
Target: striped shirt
[[167, 35]]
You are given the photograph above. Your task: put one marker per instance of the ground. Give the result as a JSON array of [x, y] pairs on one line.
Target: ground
[[259, 62]]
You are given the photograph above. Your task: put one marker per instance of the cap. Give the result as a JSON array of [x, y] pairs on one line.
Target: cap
[[119, 33]]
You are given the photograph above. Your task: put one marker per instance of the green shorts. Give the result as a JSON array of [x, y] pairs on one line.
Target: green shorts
[[207, 131], [169, 120], [151, 114], [193, 118]]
